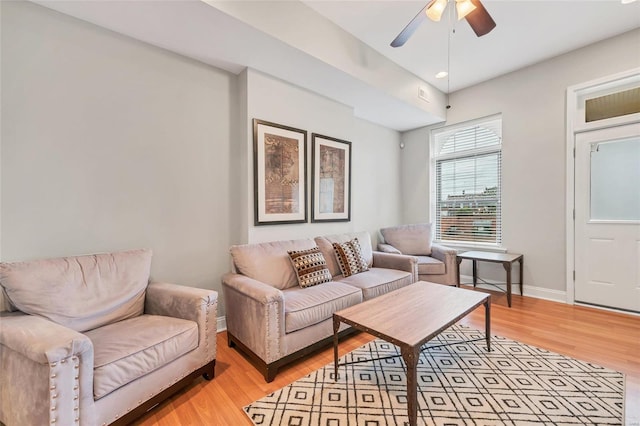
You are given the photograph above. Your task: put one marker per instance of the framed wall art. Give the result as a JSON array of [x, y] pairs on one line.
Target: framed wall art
[[331, 179], [280, 173]]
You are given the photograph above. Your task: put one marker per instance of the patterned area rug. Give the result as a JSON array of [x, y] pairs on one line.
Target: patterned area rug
[[461, 384]]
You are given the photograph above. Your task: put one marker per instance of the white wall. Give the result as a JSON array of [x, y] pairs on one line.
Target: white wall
[[532, 103], [109, 144], [375, 151]]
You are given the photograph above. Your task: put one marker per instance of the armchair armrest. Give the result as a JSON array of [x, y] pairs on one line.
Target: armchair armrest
[[47, 371], [178, 301], [443, 254], [190, 303], [255, 315], [449, 257], [41, 340], [396, 261]]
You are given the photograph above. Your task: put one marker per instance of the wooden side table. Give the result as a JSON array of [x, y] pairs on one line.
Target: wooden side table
[[506, 259]]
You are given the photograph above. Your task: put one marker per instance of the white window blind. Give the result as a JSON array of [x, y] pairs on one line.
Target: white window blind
[[467, 163]]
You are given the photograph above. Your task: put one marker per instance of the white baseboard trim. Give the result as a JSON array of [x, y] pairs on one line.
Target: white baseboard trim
[[537, 292], [222, 324]]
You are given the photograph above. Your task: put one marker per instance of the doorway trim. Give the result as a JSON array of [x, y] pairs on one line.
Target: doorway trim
[[575, 123]]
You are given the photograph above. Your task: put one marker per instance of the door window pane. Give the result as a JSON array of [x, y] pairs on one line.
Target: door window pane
[[615, 180]]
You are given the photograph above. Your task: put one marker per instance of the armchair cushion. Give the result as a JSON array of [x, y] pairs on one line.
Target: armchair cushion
[[430, 266], [409, 239], [310, 267], [269, 262], [305, 307], [129, 349], [81, 292]]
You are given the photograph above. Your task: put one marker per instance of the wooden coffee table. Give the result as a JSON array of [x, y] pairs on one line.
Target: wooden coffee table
[[410, 317]]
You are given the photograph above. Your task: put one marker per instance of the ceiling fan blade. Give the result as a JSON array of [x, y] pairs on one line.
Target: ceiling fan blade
[[411, 27], [481, 22]]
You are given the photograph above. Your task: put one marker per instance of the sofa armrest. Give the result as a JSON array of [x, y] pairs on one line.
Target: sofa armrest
[[47, 372], [255, 315], [396, 261], [388, 248]]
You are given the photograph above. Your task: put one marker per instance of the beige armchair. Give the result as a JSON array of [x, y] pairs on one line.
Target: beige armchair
[[436, 263], [87, 340]]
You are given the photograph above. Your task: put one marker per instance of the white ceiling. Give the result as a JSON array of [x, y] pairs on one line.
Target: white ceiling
[[527, 32], [340, 49]]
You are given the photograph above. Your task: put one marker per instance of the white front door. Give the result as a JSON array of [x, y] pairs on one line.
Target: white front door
[[607, 217]]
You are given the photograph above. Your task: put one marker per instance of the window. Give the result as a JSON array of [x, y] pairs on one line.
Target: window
[[466, 162]]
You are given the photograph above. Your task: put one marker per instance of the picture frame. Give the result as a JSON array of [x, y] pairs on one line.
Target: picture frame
[[280, 173], [330, 179]]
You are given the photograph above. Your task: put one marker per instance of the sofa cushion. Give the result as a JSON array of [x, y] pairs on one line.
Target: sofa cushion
[[310, 267], [430, 265], [269, 262], [152, 341], [349, 257], [325, 243], [377, 281], [81, 292], [308, 306], [409, 239]]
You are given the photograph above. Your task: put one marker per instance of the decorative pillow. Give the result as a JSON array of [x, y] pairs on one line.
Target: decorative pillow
[[310, 266], [350, 257], [409, 239]]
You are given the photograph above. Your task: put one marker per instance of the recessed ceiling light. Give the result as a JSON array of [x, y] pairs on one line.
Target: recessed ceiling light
[[442, 74], [627, 1]]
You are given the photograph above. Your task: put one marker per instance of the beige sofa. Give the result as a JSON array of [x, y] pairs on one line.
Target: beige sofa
[[87, 340], [274, 320], [436, 263]]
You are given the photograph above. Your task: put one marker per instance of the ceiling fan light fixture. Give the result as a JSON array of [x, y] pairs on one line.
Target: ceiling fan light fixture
[[442, 74], [464, 7], [435, 9]]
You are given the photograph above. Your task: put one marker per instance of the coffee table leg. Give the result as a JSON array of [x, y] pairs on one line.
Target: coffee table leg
[[336, 327], [487, 322], [410, 356]]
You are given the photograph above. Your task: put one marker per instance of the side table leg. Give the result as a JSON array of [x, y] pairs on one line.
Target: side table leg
[[487, 322], [410, 356], [521, 260], [459, 260], [507, 267], [336, 327], [475, 272]]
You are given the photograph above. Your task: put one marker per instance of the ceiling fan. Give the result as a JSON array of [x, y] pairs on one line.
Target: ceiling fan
[[471, 10]]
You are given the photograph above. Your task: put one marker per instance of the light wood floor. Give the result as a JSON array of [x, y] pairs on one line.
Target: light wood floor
[[605, 338]]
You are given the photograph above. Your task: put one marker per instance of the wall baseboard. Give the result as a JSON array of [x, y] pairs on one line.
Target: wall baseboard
[[531, 291]]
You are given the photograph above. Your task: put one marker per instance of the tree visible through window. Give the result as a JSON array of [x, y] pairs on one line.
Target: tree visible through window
[[466, 169]]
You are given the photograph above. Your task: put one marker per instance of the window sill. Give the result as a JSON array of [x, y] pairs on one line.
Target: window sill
[[460, 247]]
